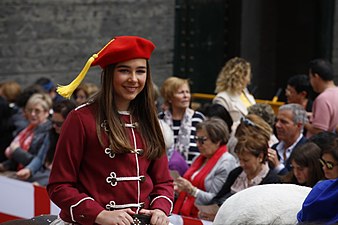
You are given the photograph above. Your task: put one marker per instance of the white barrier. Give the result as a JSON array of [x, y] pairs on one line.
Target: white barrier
[[23, 200], [179, 220]]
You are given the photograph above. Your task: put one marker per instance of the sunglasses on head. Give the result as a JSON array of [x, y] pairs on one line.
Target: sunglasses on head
[[329, 165], [248, 122], [200, 140]]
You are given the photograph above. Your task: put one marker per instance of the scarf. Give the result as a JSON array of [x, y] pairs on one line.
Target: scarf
[[184, 204], [183, 138], [25, 138]]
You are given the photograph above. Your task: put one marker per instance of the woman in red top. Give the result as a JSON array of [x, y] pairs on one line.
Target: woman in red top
[[110, 162]]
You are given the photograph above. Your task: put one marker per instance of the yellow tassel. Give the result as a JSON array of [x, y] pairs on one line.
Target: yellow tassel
[[67, 91]]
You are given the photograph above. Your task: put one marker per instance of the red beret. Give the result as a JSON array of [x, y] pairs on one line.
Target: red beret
[[124, 48], [119, 49]]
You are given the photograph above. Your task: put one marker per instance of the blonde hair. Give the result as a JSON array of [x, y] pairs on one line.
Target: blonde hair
[[253, 135], [89, 89], [10, 90], [233, 75], [42, 99], [170, 86]]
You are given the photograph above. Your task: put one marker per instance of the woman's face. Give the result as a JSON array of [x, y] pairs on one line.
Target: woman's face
[[301, 173], [327, 158], [81, 97], [205, 145], [247, 79], [128, 81], [57, 121], [181, 98], [251, 164], [36, 114]]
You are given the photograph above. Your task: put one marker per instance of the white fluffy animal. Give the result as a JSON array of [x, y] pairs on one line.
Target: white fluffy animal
[[263, 204]]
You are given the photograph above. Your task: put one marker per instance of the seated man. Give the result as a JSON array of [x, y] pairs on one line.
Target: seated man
[[289, 126]]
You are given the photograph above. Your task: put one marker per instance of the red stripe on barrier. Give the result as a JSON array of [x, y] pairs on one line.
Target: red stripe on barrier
[[41, 201], [191, 221], [6, 217]]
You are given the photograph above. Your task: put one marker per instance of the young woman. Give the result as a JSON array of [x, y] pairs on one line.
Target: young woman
[[231, 88], [110, 162], [329, 160], [306, 168]]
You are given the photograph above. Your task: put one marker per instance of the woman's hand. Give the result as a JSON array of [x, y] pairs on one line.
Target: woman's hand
[[158, 217], [183, 184], [206, 216], [14, 145], [116, 217], [11, 148], [8, 152], [23, 174]]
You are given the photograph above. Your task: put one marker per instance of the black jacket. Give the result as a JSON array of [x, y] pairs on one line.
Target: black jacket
[[225, 192], [287, 167]]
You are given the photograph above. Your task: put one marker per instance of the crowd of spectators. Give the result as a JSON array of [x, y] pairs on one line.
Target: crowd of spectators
[[214, 151]]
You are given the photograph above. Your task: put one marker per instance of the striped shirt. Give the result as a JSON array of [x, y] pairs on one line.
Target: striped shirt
[[193, 150]]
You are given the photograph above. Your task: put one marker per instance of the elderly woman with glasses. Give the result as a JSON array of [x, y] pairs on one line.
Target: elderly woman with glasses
[[204, 179], [28, 150]]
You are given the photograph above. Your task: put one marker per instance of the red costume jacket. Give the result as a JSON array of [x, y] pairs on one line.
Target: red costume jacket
[[87, 178]]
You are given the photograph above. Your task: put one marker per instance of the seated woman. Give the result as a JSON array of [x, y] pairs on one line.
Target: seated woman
[[253, 135], [28, 150], [180, 117], [218, 111], [266, 112], [328, 143], [329, 160], [207, 174], [306, 168], [84, 92], [61, 109]]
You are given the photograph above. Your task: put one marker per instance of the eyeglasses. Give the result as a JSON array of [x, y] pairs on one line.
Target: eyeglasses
[[31, 110], [200, 140], [248, 122], [329, 165], [57, 123]]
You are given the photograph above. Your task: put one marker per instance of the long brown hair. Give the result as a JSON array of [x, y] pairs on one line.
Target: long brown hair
[[306, 155], [143, 110]]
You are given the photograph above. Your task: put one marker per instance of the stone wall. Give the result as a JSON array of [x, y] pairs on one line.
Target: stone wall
[[54, 38]]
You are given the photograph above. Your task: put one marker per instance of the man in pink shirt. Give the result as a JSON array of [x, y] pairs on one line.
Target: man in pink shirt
[[325, 106]]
